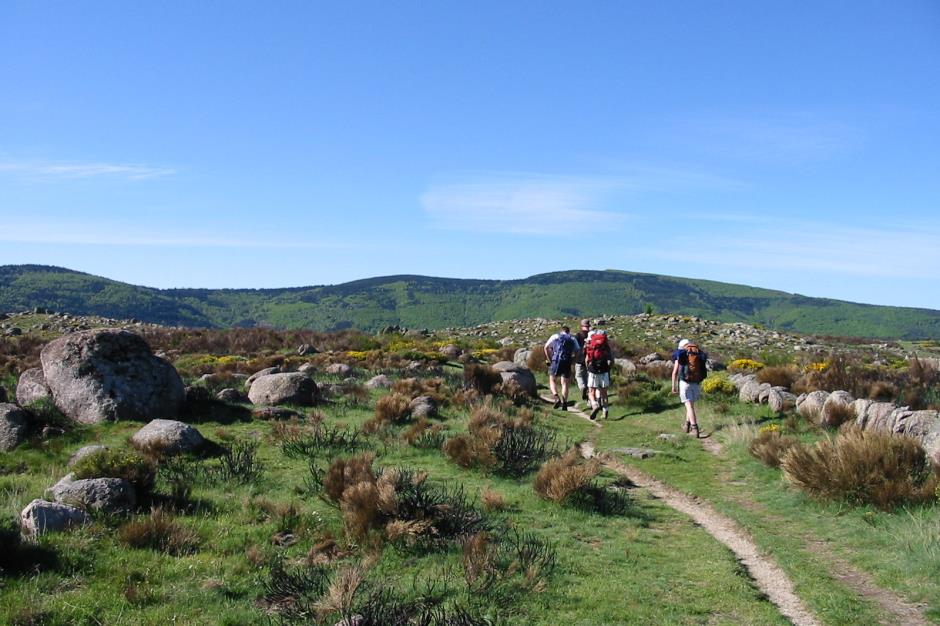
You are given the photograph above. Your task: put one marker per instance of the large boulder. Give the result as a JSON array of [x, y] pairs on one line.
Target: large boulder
[[451, 352], [877, 416], [521, 356], [780, 400], [285, 388], [99, 494], [168, 437], [810, 405], [837, 409], [41, 516], [627, 367], [13, 426], [31, 387], [916, 424], [931, 443], [519, 375], [339, 369], [265, 372], [380, 381], [423, 406], [750, 391], [99, 375]]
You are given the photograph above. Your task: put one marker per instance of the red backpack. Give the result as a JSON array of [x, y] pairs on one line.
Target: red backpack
[[694, 371], [597, 353]]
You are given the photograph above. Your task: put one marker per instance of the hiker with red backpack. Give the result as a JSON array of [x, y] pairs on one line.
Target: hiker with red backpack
[[560, 351], [687, 373], [598, 358], [580, 369]]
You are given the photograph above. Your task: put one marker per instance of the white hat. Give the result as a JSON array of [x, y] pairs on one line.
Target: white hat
[[683, 343]]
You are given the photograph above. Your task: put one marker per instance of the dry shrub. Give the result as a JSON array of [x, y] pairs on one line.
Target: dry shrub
[[344, 473], [341, 593], [159, 531], [414, 387], [863, 467], [659, 370], [393, 408], [469, 451], [325, 552], [482, 378], [783, 376], [839, 413], [883, 390], [769, 446], [416, 430], [536, 360], [360, 508], [492, 500], [562, 477]]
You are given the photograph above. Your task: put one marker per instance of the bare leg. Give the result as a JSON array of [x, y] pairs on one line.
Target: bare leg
[[551, 385], [690, 413], [564, 390]]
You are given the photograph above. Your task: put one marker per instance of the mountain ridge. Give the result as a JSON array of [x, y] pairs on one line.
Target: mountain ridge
[[437, 302]]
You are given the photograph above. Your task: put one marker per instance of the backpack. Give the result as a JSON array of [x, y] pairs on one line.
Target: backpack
[[694, 370], [597, 353], [563, 348]]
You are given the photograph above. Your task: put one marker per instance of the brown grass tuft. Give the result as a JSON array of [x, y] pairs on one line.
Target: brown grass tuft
[[561, 477], [778, 376], [863, 467], [344, 473], [482, 378], [161, 532], [341, 593], [492, 500], [770, 447]]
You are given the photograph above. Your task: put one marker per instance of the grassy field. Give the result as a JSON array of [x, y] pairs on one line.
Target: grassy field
[[646, 564]]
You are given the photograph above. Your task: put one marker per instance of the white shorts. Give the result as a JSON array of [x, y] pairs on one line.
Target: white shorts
[[689, 392], [599, 381]]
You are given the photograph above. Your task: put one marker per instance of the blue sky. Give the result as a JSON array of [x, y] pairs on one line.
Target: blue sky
[[789, 145]]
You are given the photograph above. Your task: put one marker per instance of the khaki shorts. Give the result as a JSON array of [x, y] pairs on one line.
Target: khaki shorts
[[599, 381], [689, 392]]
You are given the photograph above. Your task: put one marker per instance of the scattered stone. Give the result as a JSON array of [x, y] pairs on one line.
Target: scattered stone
[[168, 437], [284, 388], [13, 426], [84, 451], [451, 351], [41, 517], [100, 375], [423, 406], [307, 368], [650, 358], [380, 381], [31, 387], [780, 401], [521, 356], [668, 436], [99, 494], [627, 367], [339, 369], [231, 395], [750, 391]]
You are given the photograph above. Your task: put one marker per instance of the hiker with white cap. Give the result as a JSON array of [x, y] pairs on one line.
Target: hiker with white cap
[[598, 359], [687, 372]]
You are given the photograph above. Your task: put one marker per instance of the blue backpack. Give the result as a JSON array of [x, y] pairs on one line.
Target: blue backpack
[[563, 348]]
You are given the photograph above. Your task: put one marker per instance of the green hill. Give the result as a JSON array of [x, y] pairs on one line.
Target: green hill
[[426, 302]]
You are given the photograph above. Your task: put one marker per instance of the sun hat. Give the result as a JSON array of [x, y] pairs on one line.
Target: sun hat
[[683, 343]]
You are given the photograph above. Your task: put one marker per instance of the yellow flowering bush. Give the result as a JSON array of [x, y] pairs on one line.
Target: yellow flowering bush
[[745, 365], [362, 355], [718, 384], [769, 428], [483, 352], [818, 367]]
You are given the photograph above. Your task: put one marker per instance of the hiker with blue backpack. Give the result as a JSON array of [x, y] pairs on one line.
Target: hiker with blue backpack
[[688, 372], [560, 351]]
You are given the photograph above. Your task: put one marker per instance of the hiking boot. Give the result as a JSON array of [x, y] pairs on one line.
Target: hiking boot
[[595, 412], [584, 394], [564, 406], [688, 426], [557, 404], [605, 414], [695, 428]]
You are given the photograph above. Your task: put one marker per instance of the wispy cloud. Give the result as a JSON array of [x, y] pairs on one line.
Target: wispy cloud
[[902, 251], [527, 204], [774, 137], [72, 171]]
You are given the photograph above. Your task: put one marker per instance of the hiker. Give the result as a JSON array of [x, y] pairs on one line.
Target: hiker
[[598, 359], [560, 350], [687, 372], [580, 369]]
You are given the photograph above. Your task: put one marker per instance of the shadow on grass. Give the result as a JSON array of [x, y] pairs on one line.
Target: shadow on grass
[[610, 500], [214, 411]]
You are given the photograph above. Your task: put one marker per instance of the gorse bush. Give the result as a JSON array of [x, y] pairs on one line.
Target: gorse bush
[[308, 442], [127, 464], [863, 467], [238, 464], [718, 384]]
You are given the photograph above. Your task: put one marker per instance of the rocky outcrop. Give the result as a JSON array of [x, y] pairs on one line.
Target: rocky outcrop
[[286, 388], [13, 426], [31, 387], [339, 369], [41, 517], [627, 367], [381, 381], [810, 405], [231, 395], [168, 437], [837, 409], [103, 375], [423, 406], [265, 372]]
